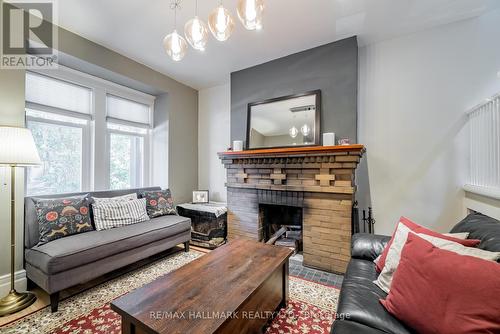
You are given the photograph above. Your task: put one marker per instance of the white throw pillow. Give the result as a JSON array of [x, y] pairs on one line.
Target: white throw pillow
[[110, 214], [460, 235], [128, 197], [384, 280]]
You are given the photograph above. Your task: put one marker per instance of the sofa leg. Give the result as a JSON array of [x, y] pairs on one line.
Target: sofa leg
[[186, 246], [54, 301]]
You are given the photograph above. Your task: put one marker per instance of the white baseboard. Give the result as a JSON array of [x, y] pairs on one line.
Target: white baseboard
[[20, 282]]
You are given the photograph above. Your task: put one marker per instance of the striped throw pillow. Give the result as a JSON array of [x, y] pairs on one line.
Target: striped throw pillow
[[128, 197], [110, 214]]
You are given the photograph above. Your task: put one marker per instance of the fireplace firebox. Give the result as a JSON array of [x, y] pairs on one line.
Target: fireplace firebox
[[282, 225]]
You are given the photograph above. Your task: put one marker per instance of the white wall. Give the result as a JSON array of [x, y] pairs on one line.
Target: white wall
[[213, 136], [413, 95]]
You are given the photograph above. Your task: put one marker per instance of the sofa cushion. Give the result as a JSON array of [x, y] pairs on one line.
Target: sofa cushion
[[420, 229], [62, 217], [459, 293], [350, 327], [385, 278], [127, 197], [360, 299], [368, 246], [361, 270], [31, 233], [73, 251], [481, 227], [112, 214], [159, 203]]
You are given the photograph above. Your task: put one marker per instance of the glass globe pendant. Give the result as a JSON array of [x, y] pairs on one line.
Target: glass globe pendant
[[221, 23], [306, 130], [250, 13], [293, 132], [196, 32], [175, 46]]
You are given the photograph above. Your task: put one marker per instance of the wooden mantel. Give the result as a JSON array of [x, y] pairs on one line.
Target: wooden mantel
[[292, 151]]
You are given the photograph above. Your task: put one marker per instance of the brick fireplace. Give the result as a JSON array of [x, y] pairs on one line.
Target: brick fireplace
[[318, 180]]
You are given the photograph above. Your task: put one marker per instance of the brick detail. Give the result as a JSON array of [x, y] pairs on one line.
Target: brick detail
[[322, 184]]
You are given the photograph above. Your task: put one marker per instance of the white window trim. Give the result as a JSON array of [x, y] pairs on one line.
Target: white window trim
[[98, 152]]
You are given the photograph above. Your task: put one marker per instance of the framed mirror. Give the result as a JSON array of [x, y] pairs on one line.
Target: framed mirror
[[286, 121]]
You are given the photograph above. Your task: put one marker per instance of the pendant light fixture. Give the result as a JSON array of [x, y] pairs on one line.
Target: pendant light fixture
[[175, 45], [250, 13], [221, 23], [196, 31], [293, 132]]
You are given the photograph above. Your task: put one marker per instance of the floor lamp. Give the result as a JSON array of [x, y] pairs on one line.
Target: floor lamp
[[17, 149]]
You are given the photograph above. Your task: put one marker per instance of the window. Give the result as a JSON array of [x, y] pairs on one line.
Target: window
[[484, 123], [61, 131], [128, 142], [90, 133]]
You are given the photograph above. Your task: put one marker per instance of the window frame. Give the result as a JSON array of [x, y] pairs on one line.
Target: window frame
[[96, 135]]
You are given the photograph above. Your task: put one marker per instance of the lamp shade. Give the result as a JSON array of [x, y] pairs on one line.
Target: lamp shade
[[17, 147]]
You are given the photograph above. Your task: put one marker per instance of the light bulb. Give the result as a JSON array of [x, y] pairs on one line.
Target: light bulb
[[196, 32], [175, 46], [221, 23], [293, 132], [250, 13], [305, 129]]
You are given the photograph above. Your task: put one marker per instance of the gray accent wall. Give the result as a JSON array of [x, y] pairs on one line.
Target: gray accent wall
[[332, 68]]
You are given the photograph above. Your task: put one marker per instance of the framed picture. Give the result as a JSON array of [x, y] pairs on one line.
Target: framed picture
[[200, 196]]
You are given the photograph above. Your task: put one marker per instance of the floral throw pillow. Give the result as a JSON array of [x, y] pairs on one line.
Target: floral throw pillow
[[61, 217], [159, 203]]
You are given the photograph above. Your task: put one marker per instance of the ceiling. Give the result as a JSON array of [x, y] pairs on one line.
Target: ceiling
[[136, 29]]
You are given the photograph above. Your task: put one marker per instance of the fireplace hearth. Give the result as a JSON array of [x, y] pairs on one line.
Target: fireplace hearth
[[271, 189]]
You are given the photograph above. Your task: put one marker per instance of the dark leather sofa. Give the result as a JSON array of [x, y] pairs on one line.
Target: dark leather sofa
[[359, 303]]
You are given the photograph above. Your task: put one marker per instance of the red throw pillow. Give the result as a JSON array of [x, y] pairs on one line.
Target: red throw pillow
[[439, 291], [420, 229]]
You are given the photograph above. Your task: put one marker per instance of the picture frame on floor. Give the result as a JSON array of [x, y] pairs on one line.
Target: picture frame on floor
[[201, 196]]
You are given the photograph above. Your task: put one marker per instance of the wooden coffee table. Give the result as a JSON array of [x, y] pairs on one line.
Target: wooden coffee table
[[236, 288]]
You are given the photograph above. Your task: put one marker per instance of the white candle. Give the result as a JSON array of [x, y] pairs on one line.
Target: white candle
[[238, 145], [328, 139]]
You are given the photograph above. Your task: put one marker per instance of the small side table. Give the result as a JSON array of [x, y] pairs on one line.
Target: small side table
[[208, 223]]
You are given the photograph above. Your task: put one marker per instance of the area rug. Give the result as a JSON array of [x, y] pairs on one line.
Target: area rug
[[310, 310]]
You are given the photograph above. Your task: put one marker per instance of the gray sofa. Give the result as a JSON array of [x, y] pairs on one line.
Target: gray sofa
[[79, 258]]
